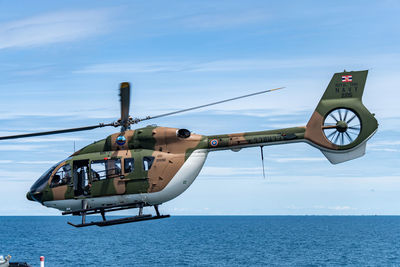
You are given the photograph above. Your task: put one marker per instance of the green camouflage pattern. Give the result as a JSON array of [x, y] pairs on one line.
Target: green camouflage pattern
[[170, 151]]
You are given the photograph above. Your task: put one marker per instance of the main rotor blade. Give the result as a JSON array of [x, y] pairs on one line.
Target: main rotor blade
[[203, 106], [56, 132], [124, 93]]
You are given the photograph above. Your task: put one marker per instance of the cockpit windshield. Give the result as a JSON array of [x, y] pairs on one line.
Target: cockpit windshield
[[40, 184]]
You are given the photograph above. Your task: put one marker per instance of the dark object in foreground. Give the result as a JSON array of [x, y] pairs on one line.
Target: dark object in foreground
[[19, 264]]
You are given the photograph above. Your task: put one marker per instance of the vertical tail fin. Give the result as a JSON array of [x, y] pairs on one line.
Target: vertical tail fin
[[341, 124]]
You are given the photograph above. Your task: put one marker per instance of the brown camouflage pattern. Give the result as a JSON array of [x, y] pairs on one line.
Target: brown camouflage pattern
[[170, 151]]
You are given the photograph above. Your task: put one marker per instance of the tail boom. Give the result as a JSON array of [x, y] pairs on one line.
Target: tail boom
[[340, 126]]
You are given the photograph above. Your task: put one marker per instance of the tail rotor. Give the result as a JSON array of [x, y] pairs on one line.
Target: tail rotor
[[342, 126]]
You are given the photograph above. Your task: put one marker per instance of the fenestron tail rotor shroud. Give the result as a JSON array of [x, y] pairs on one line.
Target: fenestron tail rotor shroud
[[342, 126]]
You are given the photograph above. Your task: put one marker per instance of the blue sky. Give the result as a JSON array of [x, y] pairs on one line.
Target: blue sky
[[61, 64]]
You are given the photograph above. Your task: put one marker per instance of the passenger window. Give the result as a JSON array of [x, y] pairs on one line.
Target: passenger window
[[98, 170], [62, 176], [105, 169], [128, 165], [147, 162], [114, 166]]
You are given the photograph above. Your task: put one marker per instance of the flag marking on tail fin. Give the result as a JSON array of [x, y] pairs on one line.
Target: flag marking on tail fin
[[347, 78]]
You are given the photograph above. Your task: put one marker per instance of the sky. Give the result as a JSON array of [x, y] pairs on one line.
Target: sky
[[61, 63]]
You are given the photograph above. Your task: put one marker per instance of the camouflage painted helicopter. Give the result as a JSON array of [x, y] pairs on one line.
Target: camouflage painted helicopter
[[152, 165]]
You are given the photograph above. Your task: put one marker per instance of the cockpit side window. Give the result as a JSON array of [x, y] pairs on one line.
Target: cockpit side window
[[40, 184], [129, 165], [62, 176], [147, 162]]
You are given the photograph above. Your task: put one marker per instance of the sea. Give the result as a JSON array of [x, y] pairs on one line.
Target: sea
[[206, 241]]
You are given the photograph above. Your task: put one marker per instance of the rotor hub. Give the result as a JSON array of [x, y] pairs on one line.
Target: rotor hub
[[341, 126]]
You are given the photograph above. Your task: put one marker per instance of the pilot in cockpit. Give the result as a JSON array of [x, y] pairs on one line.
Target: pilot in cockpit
[[67, 174]]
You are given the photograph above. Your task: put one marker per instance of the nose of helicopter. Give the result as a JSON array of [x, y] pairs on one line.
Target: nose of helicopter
[[36, 191], [29, 197], [34, 196]]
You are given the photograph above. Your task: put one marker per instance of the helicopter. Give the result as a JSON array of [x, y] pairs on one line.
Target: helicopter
[[145, 167]]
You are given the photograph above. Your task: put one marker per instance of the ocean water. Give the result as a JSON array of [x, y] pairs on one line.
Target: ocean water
[[207, 241]]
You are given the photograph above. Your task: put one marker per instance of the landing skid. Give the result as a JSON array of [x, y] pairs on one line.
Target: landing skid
[[140, 217]]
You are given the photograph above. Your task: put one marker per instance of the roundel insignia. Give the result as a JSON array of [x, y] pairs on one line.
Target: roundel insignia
[[214, 142], [121, 140]]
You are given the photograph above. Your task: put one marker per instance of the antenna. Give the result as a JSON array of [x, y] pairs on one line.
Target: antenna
[[262, 160]]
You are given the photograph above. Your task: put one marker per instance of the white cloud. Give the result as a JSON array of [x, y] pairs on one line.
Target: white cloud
[[384, 146], [23, 147], [50, 139], [341, 208], [52, 28], [29, 162], [45, 139], [226, 171], [212, 66], [301, 94], [223, 20], [260, 113], [337, 208], [385, 143], [230, 65], [230, 171], [104, 115], [37, 162], [14, 115], [284, 125], [139, 67], [384, 149], [283, 160], [19, 175]]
